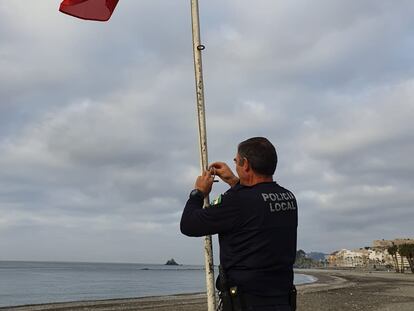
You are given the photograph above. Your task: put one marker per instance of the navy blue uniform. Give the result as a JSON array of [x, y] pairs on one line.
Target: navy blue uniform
[[257, 228]]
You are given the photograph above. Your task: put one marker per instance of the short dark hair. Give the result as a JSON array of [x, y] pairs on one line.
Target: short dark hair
[[261, 155]]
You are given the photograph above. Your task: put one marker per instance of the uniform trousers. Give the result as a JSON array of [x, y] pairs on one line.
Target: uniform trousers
[[269, 308], [258, 303]]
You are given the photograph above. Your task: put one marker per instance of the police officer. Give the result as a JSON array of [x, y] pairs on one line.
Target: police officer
[[256, 222]]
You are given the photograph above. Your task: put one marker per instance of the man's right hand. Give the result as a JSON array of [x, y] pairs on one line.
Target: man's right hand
[[223, 171]]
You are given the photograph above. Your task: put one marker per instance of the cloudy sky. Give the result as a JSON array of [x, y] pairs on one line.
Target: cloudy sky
[[98, 132]]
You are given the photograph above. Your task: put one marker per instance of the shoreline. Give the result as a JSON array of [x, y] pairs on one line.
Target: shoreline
[[334, 290]]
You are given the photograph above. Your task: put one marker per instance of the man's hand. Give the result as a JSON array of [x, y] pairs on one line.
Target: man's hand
[[223, 171], [204, 183]]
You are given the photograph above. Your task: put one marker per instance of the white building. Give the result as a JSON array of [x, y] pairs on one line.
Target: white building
[[347, 259]]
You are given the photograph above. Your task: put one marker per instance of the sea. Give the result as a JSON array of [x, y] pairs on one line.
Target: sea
[[28, 283]]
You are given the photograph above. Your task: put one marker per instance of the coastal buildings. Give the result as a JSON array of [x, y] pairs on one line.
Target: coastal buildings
[[385, 244], [375, 256], [360, 258]]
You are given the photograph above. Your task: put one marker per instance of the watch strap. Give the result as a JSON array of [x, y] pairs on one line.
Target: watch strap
[[196, 193]]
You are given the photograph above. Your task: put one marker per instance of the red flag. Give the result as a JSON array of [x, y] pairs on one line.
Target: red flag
[[97, 10]]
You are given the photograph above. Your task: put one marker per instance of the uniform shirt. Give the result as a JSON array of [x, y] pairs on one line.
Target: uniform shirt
[[257, 228]]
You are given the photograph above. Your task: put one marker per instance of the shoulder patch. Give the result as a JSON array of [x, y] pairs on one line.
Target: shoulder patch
[[217, 200]]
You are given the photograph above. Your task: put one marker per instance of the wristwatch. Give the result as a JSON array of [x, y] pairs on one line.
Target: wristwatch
[[197, 194]]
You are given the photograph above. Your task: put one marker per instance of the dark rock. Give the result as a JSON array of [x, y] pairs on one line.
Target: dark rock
[[171, 262]]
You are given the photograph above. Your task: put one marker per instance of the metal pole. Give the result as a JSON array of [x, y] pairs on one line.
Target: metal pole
[[202, 134]]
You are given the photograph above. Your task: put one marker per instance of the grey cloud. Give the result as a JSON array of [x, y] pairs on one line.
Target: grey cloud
[[313, 45]]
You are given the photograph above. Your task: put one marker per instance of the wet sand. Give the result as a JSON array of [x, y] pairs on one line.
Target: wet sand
[[335, 290]]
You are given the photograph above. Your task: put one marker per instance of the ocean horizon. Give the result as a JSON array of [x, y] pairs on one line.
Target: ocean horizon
[[41, 282]]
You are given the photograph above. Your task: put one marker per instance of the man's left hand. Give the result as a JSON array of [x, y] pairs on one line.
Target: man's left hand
[[204, 183]]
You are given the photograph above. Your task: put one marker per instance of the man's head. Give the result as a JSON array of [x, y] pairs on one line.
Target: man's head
[[258, 155]]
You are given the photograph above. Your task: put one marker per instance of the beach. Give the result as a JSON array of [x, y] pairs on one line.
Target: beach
[[335, 290]]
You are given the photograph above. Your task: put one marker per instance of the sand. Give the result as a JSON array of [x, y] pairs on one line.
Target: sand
[[335, 290], [346, 290]]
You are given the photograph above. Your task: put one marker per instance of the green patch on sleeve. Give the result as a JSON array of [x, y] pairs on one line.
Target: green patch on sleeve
[[216, 201]]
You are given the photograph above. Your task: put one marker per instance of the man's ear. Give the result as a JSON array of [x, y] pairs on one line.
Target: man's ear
[[246, 165]]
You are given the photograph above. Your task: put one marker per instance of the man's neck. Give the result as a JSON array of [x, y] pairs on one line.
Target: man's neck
[[255, 179]]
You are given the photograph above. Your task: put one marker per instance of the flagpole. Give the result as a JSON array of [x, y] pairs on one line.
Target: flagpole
[[202, 134]]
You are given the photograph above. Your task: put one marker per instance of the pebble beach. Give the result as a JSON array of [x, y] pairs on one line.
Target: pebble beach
[[335, 290]]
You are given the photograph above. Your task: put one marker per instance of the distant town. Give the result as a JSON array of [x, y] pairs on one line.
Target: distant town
[[385, 255]]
